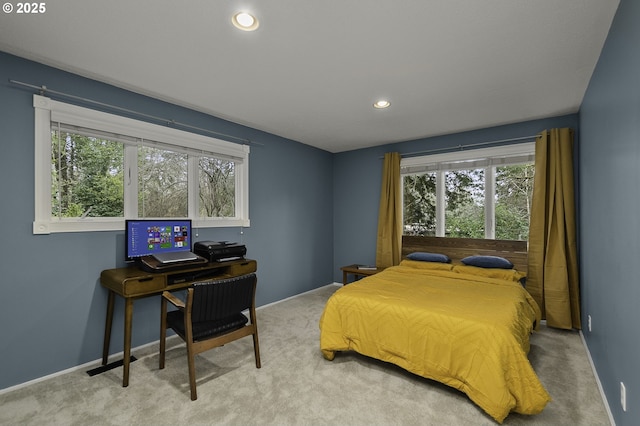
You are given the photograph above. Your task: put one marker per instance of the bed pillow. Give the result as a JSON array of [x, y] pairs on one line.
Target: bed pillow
[[424, 256], [419, 264], [488, 262], [499, 273]]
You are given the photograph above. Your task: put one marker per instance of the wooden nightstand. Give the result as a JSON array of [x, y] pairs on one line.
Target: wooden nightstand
[[357, 272]]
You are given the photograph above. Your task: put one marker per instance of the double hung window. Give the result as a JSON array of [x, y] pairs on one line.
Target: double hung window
[[482, 193], [94, 169]]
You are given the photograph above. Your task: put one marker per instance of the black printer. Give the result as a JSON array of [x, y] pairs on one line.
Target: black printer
[[219, 251]]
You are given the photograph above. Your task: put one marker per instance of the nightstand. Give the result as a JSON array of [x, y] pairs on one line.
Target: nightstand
[[357, 272]]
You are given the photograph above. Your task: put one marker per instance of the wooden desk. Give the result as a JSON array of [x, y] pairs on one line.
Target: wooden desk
[[357, 272], [133, 283]]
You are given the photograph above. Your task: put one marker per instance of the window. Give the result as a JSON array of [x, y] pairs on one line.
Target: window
[[483, 193], [94, 169]]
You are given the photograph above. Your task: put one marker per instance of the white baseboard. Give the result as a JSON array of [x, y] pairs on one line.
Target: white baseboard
[[86, 365], [296, 295], [595, 373]]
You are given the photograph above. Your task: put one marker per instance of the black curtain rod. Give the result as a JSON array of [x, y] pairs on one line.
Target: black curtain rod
[[44, 89]]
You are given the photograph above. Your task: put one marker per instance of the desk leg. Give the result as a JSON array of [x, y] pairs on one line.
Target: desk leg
[[107, 328], [128, 317], [344, 277]]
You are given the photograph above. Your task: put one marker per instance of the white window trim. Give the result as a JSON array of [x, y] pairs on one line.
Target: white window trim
[[441, 163], [46, 110]]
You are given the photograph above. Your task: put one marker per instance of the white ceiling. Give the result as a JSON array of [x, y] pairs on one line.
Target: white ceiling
[[313, 69]]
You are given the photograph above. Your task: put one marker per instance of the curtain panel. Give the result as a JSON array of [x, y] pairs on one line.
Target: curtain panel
[[389, 242], [553, 261]]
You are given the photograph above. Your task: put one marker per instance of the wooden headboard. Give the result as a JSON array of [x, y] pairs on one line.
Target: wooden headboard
[[459, 248]]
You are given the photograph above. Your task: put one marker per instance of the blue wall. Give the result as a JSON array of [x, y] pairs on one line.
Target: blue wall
[[358, 180], [610, 213], [53, 306]]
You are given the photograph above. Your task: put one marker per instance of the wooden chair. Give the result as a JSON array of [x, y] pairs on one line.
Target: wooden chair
[[210, 317]]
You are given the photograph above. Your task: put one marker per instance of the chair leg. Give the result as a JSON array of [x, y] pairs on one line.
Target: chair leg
[[163, 333], [254, 322], [256, 348], [192, 371]]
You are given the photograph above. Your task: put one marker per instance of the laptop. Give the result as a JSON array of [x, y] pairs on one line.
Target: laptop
[[175, 256]]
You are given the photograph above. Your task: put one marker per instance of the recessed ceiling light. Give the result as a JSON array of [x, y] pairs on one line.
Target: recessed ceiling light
[[381, 104], [245, 21]]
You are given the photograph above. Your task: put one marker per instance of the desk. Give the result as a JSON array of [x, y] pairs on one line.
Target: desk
[[133, 283]]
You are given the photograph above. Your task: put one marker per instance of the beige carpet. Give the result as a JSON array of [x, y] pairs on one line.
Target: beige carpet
[[296, 385]]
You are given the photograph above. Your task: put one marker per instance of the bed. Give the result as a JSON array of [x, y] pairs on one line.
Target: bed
[[460, 324]]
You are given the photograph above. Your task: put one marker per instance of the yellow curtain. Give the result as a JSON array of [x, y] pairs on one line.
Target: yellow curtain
[[389, 244], [553, 261]]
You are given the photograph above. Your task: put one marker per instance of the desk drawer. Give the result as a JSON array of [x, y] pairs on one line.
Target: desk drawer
[[241, 268], [143, 285]]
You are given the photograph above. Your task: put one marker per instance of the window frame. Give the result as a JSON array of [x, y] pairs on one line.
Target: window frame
[[486, 158], [135, 133]]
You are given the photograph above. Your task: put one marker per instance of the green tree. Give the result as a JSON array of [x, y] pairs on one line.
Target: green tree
[[87, 176], [162, 183], [217, 187], [464, 212], [514, 192], [466, 221], [420, 204]]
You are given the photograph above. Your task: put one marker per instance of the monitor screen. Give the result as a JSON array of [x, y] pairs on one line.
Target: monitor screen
[[146, 237]]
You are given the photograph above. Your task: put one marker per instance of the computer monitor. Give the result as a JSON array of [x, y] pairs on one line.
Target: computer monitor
[[146, 237]]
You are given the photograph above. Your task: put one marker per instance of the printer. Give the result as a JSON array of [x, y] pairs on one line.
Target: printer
[[219, 251]]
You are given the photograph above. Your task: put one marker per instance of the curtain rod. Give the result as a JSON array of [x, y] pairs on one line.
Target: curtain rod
[[169, 122], [461, 147]]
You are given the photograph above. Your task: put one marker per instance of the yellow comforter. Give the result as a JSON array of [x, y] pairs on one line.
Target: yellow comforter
[[467, 331]]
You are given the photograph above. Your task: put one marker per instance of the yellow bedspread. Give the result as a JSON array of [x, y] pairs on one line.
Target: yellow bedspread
[[466, 331]]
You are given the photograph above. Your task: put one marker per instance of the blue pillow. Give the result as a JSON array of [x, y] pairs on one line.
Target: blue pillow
[[488, 262], [429, 257]]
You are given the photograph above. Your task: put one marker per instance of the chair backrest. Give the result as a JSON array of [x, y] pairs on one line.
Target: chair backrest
[[214, 300]]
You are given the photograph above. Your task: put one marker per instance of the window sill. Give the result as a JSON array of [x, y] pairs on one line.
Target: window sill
[[98, 225]]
